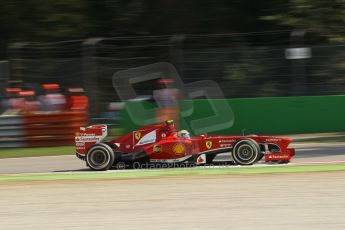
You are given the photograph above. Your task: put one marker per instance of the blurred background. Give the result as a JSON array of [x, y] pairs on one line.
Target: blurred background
[[279, 63]]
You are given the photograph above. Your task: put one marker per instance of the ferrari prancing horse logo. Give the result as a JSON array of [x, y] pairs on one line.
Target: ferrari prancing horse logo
[[208, 144], [137, 135]]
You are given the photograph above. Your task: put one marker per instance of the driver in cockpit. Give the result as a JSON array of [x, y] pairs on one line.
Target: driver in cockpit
[[184, 134]]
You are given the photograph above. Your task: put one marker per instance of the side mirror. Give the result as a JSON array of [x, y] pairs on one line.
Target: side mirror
[[203, 136]]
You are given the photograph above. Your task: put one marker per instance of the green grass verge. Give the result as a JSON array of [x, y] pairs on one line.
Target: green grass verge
[[152, 173], [34, 152]]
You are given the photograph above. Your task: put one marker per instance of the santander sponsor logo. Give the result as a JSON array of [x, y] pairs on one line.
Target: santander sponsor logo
[[276, 156], [200, 160]]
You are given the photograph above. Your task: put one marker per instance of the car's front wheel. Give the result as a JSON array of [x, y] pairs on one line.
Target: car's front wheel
[[246, 152], [100, 157]]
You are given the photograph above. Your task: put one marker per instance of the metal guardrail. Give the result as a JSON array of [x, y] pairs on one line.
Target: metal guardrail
[[41, 130]]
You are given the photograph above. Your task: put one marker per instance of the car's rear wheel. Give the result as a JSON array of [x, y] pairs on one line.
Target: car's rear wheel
[[246, 152], [100, 157]]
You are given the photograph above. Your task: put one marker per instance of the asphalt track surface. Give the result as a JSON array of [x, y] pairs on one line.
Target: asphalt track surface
[[305, 153]]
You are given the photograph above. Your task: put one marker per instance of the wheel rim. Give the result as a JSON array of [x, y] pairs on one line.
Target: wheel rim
[[98, 158], [245, 152]]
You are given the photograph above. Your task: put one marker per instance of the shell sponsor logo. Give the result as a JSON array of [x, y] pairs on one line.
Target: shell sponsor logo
[[179, 148], [157, 149], [137, 135], [208, 144]]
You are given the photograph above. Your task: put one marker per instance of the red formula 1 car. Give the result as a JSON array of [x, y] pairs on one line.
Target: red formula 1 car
[[161, 143]]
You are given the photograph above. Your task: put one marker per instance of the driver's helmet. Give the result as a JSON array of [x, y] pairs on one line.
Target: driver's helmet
[[183, 134], [168, 127], [169, 122]]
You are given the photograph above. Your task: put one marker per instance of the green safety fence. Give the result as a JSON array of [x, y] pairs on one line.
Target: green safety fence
[[276, 115]]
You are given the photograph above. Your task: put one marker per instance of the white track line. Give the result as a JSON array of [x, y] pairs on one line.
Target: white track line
[[319, 163]]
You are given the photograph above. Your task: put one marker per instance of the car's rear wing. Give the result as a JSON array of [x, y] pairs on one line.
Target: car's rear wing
[[88, 136]]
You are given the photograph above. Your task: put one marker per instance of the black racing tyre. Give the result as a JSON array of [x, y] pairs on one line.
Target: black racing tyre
[[246, 152], [100, 157]]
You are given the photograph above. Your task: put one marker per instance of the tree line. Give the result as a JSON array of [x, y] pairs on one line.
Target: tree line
[[48, 20]]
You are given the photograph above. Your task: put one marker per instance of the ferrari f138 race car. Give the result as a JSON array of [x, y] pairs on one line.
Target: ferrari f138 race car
[[161, 143]]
